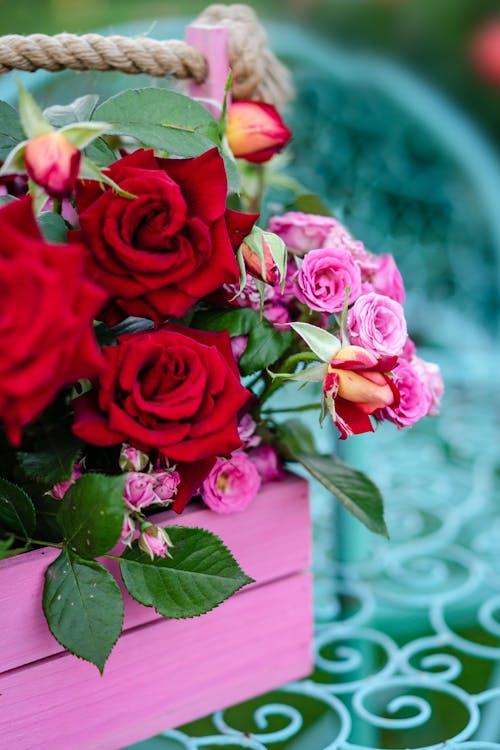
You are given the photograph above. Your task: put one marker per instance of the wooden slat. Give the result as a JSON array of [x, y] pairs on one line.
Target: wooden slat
[[270, 539], [163, 674]]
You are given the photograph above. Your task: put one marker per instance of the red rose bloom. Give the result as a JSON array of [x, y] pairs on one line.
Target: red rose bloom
[[47, 307], [173, 244], [174, 389]]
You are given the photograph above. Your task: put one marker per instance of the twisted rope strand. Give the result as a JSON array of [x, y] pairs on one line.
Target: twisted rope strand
[[257, 73]]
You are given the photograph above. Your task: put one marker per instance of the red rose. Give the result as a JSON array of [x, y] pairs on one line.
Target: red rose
[[173, 244], [46, 335], [174, 389]]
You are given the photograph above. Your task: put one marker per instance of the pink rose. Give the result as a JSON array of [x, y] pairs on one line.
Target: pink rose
[[323, 277], [414, 397], [377, 323], [139, 490], [231, 485], [266, 461], [59, 490], [409, 349], [154, 541], [387, 279], [238, 346], [278, 315], [165, 485], [246, 431], [132, 459], [430, 375], [303, 232]]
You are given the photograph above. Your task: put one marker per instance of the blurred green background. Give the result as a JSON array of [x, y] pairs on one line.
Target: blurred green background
[[433, 37]]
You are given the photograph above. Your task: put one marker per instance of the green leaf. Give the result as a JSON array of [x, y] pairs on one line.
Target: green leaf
[[296, 436], [351, 487], [310, 203], [4, 199], [5, 545], [265, 345], [80, 109], [81, 134], [14, 161], [53, 226], [54, 456], [107, 336], [33, 120], [11, 132], [161, 119], [83, 607], [17, 512], [201, 574], [91, 514], [100, 153], [325, 345]]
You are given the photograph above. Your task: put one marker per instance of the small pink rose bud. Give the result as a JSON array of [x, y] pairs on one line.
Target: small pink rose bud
[[154, 541], [128, 529], [255, 131], [53, 163], [59, 490], [165, 485], [139, 490], [132, 459], [246, 431], [266, 461]]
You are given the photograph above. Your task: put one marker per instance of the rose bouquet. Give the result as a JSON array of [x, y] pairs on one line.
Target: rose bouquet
[[148, 323]]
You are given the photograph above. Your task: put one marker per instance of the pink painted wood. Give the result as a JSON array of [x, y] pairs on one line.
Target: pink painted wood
[[270, 540], [211, 41], [162, 675]]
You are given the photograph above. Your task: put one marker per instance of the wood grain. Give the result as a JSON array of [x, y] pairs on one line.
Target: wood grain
[[271, 539], [162, 674]]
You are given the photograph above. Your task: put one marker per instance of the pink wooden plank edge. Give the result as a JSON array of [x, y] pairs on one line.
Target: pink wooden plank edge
[[270, 539], [162, 675], [211, 41]]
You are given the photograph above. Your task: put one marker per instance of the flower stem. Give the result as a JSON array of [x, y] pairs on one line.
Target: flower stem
[[57, 206], [304, 407]]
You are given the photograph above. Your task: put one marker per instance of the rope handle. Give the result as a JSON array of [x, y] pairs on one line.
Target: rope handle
[[257, 73]]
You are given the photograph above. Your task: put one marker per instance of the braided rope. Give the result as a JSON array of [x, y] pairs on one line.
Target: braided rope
[[257, 73]]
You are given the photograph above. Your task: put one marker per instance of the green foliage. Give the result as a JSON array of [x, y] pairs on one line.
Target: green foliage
[[4, 199], [83, 606], [91, 514], [53, 457], [78, 110], [11, 132], [351, 487], [310, 203], [265, 343], [160, 119], [17, 512], [201, 574], [53, 226], [107, 336], [296, 437], [5, 545]]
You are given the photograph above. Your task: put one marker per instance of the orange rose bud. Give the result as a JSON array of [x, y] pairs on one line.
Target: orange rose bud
[[53, 163], [357, 385], [255, 131], [265, 270]]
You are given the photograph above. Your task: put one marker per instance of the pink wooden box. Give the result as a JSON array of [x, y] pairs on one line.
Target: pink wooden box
[[162, 673]]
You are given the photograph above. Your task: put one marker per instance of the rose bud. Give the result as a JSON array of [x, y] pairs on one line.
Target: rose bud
[[357, 385], [139, 490], [255, 131], [132, 459], [128, 529], [263, 269], [59, 490], [53, 163], [154, 541]]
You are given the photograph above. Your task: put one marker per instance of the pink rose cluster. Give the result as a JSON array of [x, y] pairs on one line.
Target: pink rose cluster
[[325, 262]]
